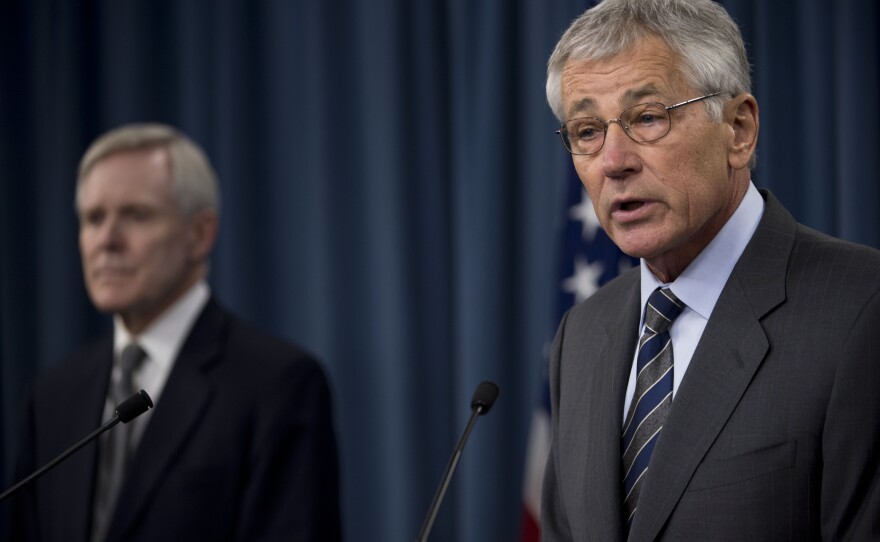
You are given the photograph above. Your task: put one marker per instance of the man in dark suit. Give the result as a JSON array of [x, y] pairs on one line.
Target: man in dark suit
[[240, 444], [727, 389]]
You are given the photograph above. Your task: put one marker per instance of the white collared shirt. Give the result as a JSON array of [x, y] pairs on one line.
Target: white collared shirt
[[161, 341], [699, 287]]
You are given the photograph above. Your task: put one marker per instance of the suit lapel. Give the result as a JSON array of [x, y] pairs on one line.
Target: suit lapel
[[732, 348], [599, 389], [715, 381], [623, 332], [188, 392]]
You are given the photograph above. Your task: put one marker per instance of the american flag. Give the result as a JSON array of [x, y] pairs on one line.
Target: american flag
[[588, 260]]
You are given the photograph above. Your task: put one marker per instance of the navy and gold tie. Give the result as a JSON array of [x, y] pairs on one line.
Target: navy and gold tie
[[653, 395]]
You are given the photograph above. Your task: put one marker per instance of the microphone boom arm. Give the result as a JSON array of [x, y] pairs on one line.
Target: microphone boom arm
[[126, 411], [48, 466]]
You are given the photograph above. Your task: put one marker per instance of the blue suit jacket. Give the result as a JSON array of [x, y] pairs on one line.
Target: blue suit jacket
[[240, 447]]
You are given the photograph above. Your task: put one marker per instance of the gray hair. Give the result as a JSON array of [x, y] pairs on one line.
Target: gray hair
[[702, 34], [194, 183]]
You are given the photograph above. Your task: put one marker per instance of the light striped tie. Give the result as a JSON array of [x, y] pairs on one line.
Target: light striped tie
[[115, 447], [653, 396]]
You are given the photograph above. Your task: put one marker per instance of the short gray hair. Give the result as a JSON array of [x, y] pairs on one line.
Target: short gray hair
[[193, 180], [708, 42]]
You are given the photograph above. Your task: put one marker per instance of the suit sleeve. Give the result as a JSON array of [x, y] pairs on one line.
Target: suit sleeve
[[851, 439], [554, 521], [293, 488]]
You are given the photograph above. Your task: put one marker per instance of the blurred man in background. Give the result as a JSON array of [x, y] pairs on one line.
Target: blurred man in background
[[240, 445]]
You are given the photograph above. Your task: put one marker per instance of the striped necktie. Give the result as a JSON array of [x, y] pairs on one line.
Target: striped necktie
[[653, 396], [116, 447]]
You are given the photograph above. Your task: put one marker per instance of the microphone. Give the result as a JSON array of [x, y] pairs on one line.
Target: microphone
[[484, 398], [126, 411]]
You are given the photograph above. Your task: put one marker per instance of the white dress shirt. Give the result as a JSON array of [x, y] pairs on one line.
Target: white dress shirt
[[699, 287], [161, 341]]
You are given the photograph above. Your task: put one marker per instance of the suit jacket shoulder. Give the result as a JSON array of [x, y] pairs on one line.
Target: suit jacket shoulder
[[240, 444], [607, 298]]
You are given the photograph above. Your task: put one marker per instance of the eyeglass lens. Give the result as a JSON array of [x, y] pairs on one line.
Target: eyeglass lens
[[642, 123]]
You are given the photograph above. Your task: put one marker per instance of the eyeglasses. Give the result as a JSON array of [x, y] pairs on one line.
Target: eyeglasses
[[642, 123]]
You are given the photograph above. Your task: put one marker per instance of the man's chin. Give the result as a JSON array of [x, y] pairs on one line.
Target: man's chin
[[110, 304], [640, 242], [636, 249]]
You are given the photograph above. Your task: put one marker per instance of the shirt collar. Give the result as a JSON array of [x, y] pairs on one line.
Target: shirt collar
[[700, 285], [163, 339]]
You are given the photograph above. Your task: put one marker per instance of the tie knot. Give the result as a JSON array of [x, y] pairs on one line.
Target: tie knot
[[662, 309], [131, 357]]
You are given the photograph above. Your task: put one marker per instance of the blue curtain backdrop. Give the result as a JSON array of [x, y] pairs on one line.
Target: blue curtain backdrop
[[393, 192]]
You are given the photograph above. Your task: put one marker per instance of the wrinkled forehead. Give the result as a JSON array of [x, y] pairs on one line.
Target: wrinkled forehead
[[646, 71]]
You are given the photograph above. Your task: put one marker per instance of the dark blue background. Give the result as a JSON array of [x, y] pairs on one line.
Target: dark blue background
[[393, 193]]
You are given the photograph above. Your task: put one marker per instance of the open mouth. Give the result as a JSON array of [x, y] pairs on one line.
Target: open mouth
[[631, 205]]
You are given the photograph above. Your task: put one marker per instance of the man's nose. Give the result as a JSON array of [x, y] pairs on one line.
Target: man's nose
[[618, 156], [110, 233]]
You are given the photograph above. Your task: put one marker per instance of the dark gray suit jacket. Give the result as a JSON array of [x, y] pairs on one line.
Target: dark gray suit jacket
[[774, 432], [239, 447]]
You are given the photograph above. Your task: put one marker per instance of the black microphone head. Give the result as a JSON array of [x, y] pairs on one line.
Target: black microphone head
[[485, 396], [134, 406]]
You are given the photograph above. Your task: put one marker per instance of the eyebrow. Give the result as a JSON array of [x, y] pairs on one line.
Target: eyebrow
[[630, 96], [633, 95], [581, 106]]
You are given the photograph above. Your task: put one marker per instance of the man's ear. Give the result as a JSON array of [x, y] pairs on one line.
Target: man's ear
[[203, 226], [741, 114]]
